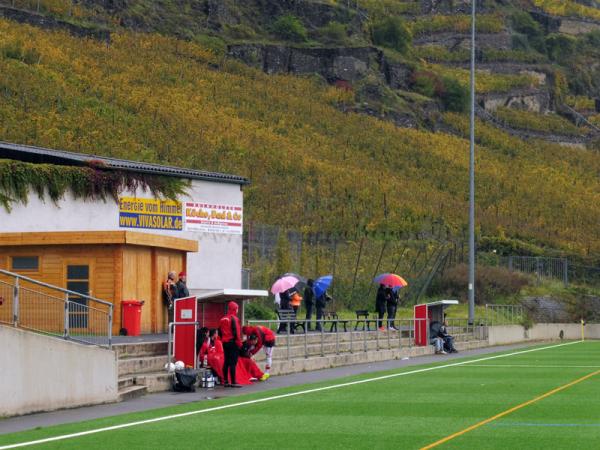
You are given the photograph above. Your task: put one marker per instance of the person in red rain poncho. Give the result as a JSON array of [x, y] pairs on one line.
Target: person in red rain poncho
[[246, 368], [212, 348], [265, 338], [231, 335]]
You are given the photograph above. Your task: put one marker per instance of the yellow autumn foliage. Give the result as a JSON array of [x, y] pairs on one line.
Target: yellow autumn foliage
[[313, 167]]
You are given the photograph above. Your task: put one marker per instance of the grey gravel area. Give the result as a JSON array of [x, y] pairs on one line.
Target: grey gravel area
[[164, 399]]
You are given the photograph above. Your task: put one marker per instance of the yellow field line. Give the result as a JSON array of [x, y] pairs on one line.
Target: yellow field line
[[511, 410]]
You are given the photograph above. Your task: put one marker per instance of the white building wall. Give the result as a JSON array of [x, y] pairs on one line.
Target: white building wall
[[217, 264], [42, 373]]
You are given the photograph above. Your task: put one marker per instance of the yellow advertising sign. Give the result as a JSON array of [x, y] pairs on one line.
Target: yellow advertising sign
[[150, 213]]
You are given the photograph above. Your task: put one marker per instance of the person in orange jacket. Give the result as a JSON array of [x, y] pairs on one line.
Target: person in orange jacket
[[231, 335], [264, 338], [295, 301]]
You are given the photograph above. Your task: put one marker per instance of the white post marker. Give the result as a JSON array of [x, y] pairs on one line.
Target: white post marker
[[275, 397]]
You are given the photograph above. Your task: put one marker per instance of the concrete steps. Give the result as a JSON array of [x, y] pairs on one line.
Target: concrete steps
[[141, 364], [155, 381], [130, 392], [283, 366], [141, 369], [142, 349]]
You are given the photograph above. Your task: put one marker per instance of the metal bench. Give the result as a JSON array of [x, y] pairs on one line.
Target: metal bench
[[362, 315], [333, 319], [289, 316]]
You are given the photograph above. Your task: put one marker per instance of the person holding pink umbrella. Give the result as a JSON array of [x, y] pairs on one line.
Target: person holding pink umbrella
[[281, 288]]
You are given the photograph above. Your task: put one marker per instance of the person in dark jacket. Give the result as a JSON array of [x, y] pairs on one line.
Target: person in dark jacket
[[231, 335], [309, 301], [181, 287], [284, 303], [321, 303], [169, 294], [448, 340], [380, 305], [391, 305]]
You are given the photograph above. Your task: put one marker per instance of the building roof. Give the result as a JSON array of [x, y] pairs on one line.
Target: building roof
[[39, 155], [98, 238], [227, 295]]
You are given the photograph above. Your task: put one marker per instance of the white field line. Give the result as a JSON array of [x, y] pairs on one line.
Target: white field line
[[275, 397], [534, 366]]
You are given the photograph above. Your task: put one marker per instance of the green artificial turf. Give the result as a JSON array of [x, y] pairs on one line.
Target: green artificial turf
[[409, 411]]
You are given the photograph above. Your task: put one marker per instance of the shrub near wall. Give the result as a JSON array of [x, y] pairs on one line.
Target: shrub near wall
[[490, 283], [290, 28], [392, 33]]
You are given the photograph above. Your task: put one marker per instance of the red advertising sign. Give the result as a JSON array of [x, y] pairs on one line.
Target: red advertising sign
[[213, 218]]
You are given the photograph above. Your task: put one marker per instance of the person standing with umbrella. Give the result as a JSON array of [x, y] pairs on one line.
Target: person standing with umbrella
[[392, 305], [309, 300], [380, 305], [281, 289], [387, 297], [284, 303], [322, 298]]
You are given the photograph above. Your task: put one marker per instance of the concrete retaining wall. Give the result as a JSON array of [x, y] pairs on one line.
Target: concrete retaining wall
[[508, 334], [41, 373]]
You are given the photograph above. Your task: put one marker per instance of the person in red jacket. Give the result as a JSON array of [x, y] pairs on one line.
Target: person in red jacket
[[212, 348], [264, 338], [231, 335]]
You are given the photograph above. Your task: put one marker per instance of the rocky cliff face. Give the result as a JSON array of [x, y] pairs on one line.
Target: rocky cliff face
[[380, 80], [348, 64], [53, 23]]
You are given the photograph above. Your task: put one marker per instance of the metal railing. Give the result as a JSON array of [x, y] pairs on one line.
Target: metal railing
[[47, 309], [338, 336], [504, 314]]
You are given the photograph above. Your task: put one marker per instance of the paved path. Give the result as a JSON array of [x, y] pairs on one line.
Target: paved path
[[164, 399]]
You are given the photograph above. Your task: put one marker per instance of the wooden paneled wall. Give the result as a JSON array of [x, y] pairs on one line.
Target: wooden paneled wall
[[117, 272], [39, 312]]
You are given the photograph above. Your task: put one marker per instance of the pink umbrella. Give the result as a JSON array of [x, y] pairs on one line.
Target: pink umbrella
[[283, 284]]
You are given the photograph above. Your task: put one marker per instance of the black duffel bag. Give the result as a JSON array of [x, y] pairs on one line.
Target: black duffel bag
[[185, 380]]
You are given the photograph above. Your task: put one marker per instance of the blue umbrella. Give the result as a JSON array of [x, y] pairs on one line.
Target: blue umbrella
[[321, 284]]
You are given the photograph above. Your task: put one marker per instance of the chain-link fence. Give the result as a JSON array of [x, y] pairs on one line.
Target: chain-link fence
[[354, 261], [545, 268]]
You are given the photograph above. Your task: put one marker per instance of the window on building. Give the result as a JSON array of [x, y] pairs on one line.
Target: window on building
[[25, 263]]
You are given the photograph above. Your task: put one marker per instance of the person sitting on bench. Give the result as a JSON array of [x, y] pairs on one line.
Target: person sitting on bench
[[448, 340], [434, 337]]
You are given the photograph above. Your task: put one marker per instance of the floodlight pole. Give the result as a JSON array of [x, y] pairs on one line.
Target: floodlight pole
[[472, 177]]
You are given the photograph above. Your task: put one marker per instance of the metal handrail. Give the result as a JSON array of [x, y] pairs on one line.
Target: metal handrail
[[72, 310], [405, 330], [56, 288]]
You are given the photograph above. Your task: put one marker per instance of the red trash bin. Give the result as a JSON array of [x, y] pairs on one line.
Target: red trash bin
[[131, 313]]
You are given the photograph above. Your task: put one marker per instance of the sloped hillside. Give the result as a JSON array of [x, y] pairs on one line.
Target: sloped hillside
[[317, 162]]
